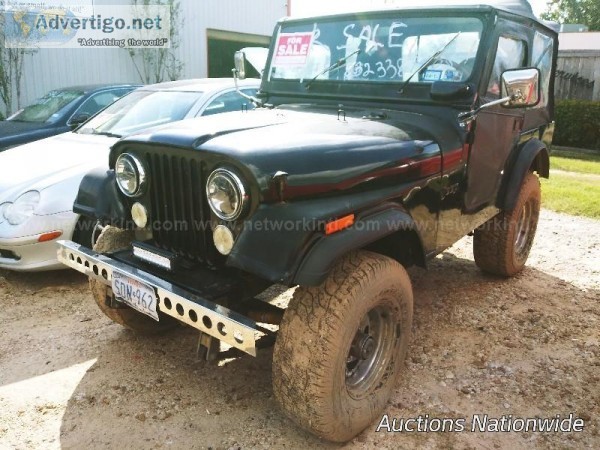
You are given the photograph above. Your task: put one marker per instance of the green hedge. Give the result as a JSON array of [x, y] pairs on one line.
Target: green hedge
[[577, 124]]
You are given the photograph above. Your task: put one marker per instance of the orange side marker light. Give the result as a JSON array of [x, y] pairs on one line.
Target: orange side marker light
[[50, 236], [339, 224]]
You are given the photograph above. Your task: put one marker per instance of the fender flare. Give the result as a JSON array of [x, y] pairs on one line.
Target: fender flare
[[321, 257], [532, 155], [98, 198]]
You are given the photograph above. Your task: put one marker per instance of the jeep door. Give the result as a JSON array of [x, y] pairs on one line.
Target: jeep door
[[496, 129]]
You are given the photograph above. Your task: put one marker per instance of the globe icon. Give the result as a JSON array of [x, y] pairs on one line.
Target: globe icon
[[43, 28]]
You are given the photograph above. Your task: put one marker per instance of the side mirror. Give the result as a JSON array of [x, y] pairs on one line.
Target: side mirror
[[522, 86], [239, 60], [239, 73], [78, 119]]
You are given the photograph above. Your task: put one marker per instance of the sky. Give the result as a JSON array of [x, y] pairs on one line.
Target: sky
[[310, 7]]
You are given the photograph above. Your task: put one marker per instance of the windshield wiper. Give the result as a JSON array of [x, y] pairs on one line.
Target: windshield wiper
[[336, 65], [426, 63], [106, 133]]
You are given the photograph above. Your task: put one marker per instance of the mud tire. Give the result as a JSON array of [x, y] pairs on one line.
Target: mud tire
[[501, 246], [311, 358]]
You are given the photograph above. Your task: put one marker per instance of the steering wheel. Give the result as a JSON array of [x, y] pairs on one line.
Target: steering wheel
[[466, 66], [444, 61]]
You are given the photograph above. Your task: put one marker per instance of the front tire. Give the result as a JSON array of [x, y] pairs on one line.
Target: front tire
[[341, 346], [112, 239], [501, 246]]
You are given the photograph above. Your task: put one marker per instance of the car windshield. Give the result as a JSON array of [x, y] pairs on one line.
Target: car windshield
[[47, 108], [139, 110], [377, 50]]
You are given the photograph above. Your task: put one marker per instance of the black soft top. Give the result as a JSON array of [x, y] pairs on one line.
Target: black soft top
[[520, 8]]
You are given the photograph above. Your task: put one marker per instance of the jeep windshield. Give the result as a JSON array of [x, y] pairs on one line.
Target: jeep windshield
[[376, 50]]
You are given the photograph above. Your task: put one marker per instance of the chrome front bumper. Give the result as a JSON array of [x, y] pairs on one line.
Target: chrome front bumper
[[215, 320]]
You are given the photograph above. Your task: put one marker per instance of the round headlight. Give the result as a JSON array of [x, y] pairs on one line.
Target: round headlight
[[131, 175], [22, 209], [226, 194]]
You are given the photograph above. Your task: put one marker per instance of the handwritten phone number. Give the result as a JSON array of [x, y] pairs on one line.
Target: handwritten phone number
[[380, 70]]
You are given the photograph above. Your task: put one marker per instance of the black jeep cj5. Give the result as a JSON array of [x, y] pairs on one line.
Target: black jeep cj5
[[381, 139]]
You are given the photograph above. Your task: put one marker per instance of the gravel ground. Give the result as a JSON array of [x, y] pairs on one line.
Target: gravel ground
[[527, 346]]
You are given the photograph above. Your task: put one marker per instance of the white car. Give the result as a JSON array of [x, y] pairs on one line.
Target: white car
[[39, 181]]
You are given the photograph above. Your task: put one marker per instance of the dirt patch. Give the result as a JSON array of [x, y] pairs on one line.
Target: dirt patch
[[527, 346]]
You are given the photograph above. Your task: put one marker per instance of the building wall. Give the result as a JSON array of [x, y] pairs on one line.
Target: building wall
[[244, 16], [49, 69]]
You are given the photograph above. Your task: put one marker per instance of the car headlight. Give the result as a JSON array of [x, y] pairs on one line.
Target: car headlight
[[131, 175], [22, 209], [226, 194], [3, 208]]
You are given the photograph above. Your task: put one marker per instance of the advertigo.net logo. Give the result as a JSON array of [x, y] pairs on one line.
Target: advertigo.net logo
[[77, 24]]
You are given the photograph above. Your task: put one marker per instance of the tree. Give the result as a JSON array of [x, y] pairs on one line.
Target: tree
[[154, 65], [4, 86], [586, 12], [11, 70]]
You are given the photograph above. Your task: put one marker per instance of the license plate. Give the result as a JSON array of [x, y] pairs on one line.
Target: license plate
[[134, 293]]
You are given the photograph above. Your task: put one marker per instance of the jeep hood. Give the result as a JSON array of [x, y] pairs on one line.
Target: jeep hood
[[295, 126], [316, 147]]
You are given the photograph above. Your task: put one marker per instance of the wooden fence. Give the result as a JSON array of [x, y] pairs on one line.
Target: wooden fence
[[578, 75]]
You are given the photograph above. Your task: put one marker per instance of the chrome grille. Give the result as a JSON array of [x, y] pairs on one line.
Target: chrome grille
[[179, 210]]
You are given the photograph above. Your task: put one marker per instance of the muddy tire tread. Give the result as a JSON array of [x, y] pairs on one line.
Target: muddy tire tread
[[315, 316], [493, 243]]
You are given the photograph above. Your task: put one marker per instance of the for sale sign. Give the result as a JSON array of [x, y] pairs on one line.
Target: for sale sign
[[292, 48]]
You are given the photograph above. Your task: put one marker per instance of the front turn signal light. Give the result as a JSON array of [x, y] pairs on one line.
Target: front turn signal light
[[339, 224]]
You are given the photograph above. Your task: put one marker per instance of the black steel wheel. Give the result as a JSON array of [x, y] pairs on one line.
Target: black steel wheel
[[371, 351]]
